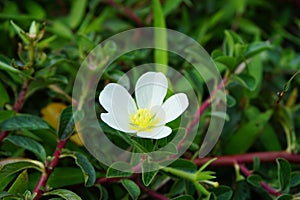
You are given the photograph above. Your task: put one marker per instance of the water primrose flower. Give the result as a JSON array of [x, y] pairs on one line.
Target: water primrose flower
[[146, 117]]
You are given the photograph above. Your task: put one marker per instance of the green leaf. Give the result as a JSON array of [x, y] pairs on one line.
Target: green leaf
[[171, 5], [295, 178], [77, 12], [20, 185], [4, 96], [285, 197], [132, 188], [5, 181], [247, 134], [160, 35], [228, 61], [20, 32], [28, 122], [245, 81], [6, 114], [269, 134], [119, 169], [86, 167], [255, 48], [4, 194], [13, 165], [9, 68], [254, 180], [183, 197], [222, 192], [63, 193], [147, 175], [29, 144], [67, 122], [184, 165], [284, 174], [69, 175], [242, 191]]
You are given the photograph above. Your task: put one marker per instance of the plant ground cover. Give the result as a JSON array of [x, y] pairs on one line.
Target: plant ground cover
[[255, 46]]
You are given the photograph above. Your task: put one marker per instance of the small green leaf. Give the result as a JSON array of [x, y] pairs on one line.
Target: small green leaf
[[9, 68], [67, 122], [20, 184], [20, 32], [63, 193], [183, 197], [4, 194], [28, 122], [222, 192], [4, 96], [119, 169], [295, 178], [255, 48], [245, 81], [132, 188], [285, 197], [246, 135], [148, 175], [284, 173], [184, 165], [254, 180], [77, 12], [228, 61], [86, 167], [29, 144], [69, 175], [13, 165]]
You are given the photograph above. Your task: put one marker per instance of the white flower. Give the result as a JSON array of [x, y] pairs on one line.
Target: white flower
[[147, 117]]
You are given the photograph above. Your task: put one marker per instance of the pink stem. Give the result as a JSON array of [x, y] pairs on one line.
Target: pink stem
[[264, 185], [17, 106], [230, 160], [40, 187]]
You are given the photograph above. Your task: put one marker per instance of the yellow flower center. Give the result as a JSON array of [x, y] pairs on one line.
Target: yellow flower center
[[143, 120]]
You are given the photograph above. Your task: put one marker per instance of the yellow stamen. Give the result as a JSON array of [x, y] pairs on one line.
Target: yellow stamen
[[143, 120]]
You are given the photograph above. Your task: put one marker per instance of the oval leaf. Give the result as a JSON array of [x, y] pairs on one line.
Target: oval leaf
[[86, 167], [65, 194], [284, 173], [67, 123], [132, 188], [13, 165], [29, 144], [28, 122]]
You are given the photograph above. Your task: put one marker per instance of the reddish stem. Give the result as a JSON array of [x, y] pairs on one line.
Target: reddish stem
[[201, 110], [230, 160], [17, 106], [40, 187], [126, 11], [264, 185], [107, 180]]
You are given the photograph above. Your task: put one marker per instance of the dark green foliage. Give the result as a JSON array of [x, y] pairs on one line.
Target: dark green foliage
[[255, 46]]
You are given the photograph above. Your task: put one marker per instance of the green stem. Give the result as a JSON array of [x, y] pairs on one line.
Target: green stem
[[180, 173], [188, 176]]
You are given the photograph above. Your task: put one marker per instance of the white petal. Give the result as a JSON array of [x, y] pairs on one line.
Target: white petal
[[119, 104], [159, 114], [116, 97], [116, 123], [156, 133], [151, 89], [175, 106]]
